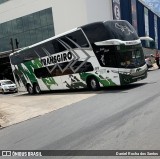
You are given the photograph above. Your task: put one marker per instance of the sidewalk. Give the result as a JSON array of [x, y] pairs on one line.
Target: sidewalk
[[15, 108]]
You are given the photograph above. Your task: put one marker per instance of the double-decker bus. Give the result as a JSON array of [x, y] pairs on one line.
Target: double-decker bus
[[95, 55]]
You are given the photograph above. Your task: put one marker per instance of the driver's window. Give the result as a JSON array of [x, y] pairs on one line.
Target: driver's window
[[109, 59], [126, 58]]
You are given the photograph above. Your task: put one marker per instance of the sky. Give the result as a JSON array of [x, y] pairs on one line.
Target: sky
[[154, 5]]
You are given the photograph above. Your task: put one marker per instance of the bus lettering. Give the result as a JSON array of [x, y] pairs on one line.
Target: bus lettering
[[57, 59], [69, 55]]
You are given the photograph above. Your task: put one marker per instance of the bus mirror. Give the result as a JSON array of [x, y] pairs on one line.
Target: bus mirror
[[149, 40], [146, 38]]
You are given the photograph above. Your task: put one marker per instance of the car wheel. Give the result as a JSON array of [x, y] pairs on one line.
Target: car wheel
[[93, 84], [37, 89], [30, 89], [3, 91], [16, 92]]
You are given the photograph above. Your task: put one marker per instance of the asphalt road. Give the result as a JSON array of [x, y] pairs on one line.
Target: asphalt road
[[123, 118]]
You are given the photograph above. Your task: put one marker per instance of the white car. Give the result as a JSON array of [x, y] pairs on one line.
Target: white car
[[150, 60], [7, 86]]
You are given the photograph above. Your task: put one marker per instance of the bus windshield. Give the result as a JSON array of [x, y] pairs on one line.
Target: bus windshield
[[131, 58], [121, 30]]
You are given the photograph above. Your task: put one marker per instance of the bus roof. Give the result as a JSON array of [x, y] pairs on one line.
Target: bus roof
[[86, 28], [56, 36], [46, 40]]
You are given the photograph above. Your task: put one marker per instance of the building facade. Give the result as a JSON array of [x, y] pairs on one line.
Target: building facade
[[28, 22], [25, 22], [144, 20]]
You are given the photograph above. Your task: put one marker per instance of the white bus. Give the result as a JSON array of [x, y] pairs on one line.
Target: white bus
[[99, 54]]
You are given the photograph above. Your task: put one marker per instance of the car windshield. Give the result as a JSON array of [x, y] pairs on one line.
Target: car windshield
[[7, 82], [132, 58]]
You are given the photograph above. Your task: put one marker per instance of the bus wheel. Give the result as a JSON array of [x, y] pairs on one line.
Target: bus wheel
[[30, 89], [37, 89], [93, 84]]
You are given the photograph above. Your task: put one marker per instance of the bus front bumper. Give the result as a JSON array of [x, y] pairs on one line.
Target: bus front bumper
[[127, 79]]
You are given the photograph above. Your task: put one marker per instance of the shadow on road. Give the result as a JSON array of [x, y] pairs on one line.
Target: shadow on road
[[117, 89], [112, 89]]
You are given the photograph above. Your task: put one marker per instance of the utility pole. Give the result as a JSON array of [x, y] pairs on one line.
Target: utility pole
[[11, 43], [17, 43]]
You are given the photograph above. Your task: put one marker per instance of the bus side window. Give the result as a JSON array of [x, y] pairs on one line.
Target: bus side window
[[39, 51], [29, 55], [112, 60], [49, 47], [86, 67], [68, 42], [79, 38], [105, 55], [58, 47], [16, 59], [108, 62], [42, 73]]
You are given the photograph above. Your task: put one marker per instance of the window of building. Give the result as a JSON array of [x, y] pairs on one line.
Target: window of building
[[2, 1], [28, 30]]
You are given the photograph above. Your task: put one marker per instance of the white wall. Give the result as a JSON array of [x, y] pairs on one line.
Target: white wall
[[17, 8], [99, 10], [67, 14]]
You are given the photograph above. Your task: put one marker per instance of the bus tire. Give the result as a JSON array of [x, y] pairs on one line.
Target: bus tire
[[30, 89], [93, 84], [36, 88]]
